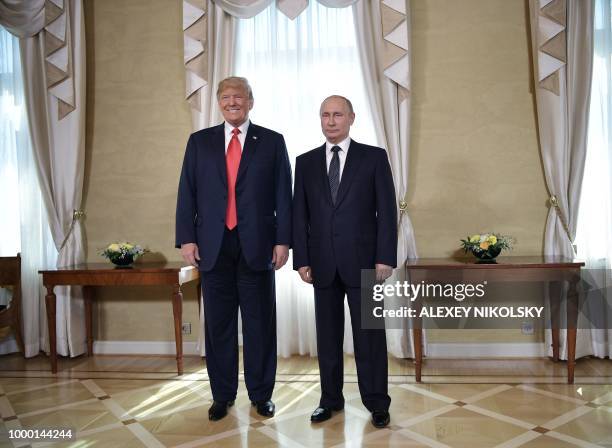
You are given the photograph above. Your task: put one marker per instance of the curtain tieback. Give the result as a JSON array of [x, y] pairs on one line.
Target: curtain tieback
[[77, 215], [403, 205], [555, 203]]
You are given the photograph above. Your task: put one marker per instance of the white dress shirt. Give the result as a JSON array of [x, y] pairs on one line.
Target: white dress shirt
[[344, 147], [244, 127]]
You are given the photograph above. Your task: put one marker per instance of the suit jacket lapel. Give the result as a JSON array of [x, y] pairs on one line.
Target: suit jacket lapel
[[322, 172], [250, 145], [351, 165], [218, 147]]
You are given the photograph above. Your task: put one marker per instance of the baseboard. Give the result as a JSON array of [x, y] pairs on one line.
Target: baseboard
[[486, 350], [434, 350], [142, 348]]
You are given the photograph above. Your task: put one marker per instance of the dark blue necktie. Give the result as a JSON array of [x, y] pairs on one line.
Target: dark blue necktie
[[334, 173]]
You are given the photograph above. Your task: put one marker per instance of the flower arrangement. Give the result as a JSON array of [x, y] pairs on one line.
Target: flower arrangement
[[123, 254], [487, 246]]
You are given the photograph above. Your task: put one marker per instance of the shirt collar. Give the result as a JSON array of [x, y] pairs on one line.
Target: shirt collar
[[344, 145], [243, 127]]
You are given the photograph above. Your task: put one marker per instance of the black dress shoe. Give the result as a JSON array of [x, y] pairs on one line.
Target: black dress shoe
[[323, 413], [218, 410], [264, 408], [380, 419]]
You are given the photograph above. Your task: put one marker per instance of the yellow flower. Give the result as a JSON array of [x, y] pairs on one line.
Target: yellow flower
[[485, 245], [127, 246], [114, 247], [474, 238], [492, 239]]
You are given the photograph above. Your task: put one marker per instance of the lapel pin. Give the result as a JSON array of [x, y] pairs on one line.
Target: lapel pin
[[254, 137]]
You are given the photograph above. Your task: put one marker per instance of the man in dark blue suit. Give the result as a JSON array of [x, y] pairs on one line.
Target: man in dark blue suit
[[233, 221], [345, 220]]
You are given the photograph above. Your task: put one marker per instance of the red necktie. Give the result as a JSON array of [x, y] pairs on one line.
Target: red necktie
[[232, 162]]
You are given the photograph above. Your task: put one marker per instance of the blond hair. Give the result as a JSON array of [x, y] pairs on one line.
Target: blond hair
[[235, 81]]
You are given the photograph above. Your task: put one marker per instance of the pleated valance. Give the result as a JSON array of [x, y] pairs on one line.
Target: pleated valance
[[22, 19], [53, 18], [245, 9], [392, 55]]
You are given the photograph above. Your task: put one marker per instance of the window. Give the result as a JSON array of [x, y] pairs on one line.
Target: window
[[293, 65], [24, 225], [594, 238], [12, 129]]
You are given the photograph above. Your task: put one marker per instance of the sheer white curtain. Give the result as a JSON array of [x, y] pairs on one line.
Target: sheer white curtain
[[594, 232], [292, 66], [24, 226], [562, 48]]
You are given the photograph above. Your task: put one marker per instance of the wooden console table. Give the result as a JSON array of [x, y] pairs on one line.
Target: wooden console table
[[173, 274], [508, 269]]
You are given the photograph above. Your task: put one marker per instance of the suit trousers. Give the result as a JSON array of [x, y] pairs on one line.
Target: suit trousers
[[370, 349], [229, 286]]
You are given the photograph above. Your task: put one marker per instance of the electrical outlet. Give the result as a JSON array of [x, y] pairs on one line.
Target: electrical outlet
[[186, 328], [527, 327]]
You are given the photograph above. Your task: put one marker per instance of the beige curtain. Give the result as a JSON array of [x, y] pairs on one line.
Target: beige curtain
[[53, 59], [383, 30], [562, 48], [209, 34]]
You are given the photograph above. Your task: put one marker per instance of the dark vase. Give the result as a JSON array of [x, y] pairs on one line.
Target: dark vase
[[487, 256], [123, 261]]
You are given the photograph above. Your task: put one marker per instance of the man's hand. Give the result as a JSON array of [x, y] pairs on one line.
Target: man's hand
[[190, 253], [383, 272], [306, 273], [280, 254]]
